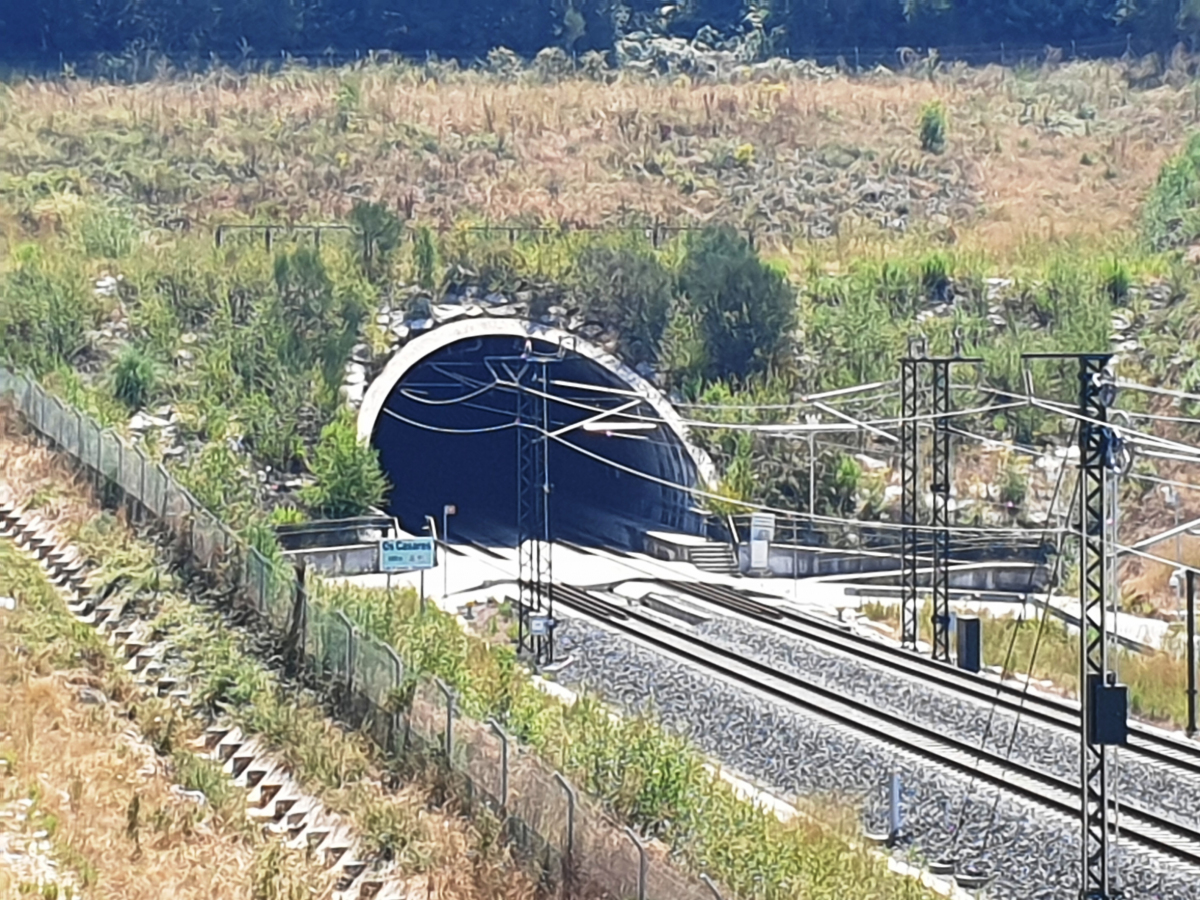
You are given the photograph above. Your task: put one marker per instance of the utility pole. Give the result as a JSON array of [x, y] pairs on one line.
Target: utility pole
[[913, 387], [1104, 703], [535, 578], [910, 464]]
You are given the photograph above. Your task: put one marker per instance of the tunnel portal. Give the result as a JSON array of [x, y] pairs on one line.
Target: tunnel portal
[[444, 422]]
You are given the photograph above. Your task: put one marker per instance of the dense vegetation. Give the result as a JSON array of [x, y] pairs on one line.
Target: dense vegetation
[[471, 28], [227, 358]]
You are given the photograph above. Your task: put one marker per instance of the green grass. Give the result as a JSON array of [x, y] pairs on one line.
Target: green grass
[[53, 638], [645, 775], [1157, 681]]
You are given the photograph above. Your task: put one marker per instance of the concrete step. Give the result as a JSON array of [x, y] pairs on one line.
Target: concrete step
[[273, 796], [266, 791], [350, 873], [138, 661], [716, 558], [212, 736]]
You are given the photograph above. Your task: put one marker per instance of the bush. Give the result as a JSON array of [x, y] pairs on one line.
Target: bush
[[134, 378], [1116, 279], [932, 127], [378, 230], [1170, 218], [626, 288], [349, 479], [746, 311], [425, 258]]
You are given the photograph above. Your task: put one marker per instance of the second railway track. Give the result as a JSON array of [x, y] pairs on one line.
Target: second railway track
[[1150, 829], [1152, 744]]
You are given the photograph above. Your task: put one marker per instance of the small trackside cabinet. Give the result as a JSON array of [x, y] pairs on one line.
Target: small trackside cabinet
[[1108, 711], [970, 643]]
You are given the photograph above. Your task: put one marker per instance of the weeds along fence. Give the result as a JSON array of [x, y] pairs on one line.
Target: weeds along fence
[[578, 849]]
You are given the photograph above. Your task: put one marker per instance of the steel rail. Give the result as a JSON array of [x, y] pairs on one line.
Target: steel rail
[[1149, 828], [1166, 749]]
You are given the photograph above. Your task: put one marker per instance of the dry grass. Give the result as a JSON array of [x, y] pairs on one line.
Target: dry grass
[[99, 799], [457, 859], [86, 772], [1053, 154]]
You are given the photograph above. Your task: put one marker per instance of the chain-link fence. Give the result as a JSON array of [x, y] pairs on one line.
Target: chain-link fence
[[579, 849]]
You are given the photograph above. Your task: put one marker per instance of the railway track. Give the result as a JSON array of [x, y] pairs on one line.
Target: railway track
[[1059, 795], [1148, 743]]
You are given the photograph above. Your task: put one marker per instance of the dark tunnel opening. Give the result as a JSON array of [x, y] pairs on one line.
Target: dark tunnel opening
[[446, 435]]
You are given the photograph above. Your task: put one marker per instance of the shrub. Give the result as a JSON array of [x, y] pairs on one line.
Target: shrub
[[349, 479], [935, 276], [932, 127], [134, 378], [626, 288], [745, 310], [1014, 483], [425, 257], [843, 486], [1170, 217], [378, 229], [1116, 279]]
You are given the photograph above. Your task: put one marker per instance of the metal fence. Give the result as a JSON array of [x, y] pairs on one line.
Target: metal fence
[[578, 848]]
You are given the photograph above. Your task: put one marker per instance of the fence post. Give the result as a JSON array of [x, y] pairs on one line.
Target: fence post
[[711, 886], [499, 732], [261, 599], [166, 495], [449, 742], [121, 465], [569, 856], [641, 849], [349, 656], [79, 436], [142, 484], [397, 679]]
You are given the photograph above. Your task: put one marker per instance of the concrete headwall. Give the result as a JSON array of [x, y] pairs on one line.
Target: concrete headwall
[[354, 559], [806, 562]]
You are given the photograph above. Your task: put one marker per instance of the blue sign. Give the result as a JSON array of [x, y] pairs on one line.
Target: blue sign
[[406, 554]]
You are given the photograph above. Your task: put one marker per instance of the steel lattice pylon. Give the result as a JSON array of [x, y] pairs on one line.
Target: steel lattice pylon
[[534, 566], [1095, 584], [940, 518], [914, 385], [910, 465]]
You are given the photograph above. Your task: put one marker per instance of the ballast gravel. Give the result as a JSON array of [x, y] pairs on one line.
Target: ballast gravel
[[1156, 787], [1031, 852]]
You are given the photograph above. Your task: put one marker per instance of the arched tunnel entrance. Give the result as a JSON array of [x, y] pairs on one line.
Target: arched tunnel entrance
[[443, 416]]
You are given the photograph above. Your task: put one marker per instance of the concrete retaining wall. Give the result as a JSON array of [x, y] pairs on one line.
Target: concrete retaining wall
[[353, 559]]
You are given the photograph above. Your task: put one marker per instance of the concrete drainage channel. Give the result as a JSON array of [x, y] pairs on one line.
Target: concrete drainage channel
[[274, 798]]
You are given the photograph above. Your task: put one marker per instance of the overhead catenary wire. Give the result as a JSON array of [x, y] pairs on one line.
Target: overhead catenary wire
[[694, 490]]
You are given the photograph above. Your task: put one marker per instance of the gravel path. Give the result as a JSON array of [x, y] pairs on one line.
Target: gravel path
[[1157, 787], [1032, 852]]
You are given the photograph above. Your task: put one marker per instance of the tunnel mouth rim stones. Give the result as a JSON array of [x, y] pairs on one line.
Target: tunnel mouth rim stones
[[418, 348]]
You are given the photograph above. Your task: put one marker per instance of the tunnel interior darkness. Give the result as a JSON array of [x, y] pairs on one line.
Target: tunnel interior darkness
[[447, 435]]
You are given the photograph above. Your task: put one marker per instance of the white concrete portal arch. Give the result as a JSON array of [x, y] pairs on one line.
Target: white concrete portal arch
[[467, 329]]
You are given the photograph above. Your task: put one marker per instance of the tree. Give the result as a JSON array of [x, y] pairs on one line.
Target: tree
[[349, 480], [316, 322], [379, 230], [628, 289], [745, 309]]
